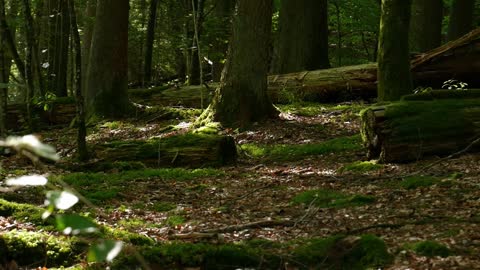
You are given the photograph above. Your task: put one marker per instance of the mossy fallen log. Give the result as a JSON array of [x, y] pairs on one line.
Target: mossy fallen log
[[410, 130], [187, 150]]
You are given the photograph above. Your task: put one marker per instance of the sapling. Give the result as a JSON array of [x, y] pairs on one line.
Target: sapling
[[69, 224]]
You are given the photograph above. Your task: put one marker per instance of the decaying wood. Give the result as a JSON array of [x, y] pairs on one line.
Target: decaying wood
[[187, 150], [411, 129]]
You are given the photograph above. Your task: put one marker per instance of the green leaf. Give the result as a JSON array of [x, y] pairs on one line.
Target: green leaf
[[75, 224], [27, 180], [62, 200], [106, 250], [33, 145], [9, 85]]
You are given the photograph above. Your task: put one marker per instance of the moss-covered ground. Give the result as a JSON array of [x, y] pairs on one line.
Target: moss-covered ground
[[300, 196]]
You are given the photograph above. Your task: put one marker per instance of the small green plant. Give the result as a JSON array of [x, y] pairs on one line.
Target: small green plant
[[454, 85], [175, 220], [163, 206], [361, 167], [45, 101], [414, 182], [429, 249], [324, 198]]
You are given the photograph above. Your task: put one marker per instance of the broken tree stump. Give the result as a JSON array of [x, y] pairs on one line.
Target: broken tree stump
[[186, 150], [422, 126]]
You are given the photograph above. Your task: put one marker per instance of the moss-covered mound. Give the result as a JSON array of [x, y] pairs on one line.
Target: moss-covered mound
[[35, 249]]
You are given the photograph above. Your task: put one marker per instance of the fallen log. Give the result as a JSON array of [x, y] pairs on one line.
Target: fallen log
[[187, 150], [417, 127]]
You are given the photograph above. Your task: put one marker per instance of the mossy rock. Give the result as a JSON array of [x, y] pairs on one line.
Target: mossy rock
[[40, 249], [430, 249], [324, 198], [339, 252]]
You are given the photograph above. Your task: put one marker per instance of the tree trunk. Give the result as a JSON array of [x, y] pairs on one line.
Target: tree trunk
[[426, 25], [59, 30], [303, 36], [394, 78], [242, 96], [79, 101], [29, 82], [461, 18], [152, 19], [107, 73], [189, 150], [416, 128], [89, 23], [194, 74]]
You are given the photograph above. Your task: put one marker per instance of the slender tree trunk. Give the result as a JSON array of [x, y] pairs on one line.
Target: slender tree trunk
[[194, 74], [90, 11], [108, 66], [461, 18], [242, 96], [82, 130], [4, 79], [426, 25], [9, 41], [28, 61], [59, 24], [394, 78], [303, 36], [152, 19]]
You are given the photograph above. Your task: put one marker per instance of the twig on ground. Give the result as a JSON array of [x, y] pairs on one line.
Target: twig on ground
[[252, 225]]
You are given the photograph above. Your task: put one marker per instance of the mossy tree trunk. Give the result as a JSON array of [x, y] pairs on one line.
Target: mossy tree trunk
[[107, 73], [394, 78], [303, 36], [461, 18], [426, 25], [441, 123], [242, 96]]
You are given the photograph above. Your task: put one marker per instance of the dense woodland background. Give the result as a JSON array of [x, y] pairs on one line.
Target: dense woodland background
[[240, 134]]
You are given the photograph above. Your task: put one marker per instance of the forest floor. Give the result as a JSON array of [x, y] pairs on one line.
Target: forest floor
[[405, 205]]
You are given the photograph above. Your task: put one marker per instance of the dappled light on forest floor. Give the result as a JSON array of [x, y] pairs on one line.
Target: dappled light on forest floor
[[277, 199]]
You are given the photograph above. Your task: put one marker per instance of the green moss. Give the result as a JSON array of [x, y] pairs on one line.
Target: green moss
[[23, 212], [162, 113], [163, 206], [209, 128], [331, 199], [414, 182], [125, 236], [339, 252], [361, 167], [34, 248], [121, 166], [175, 220], [294, 152], [429, 249], [314, 109]]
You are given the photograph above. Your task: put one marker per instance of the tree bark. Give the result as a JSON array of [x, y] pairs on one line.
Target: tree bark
[[394, 78], [223, 12], [59, 30], [426, 25], [194, 74], [107, 73], [242, 96], [152, 19], [89, 23], [461, 18], [82, 151], [414, 129], [303, 36]]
